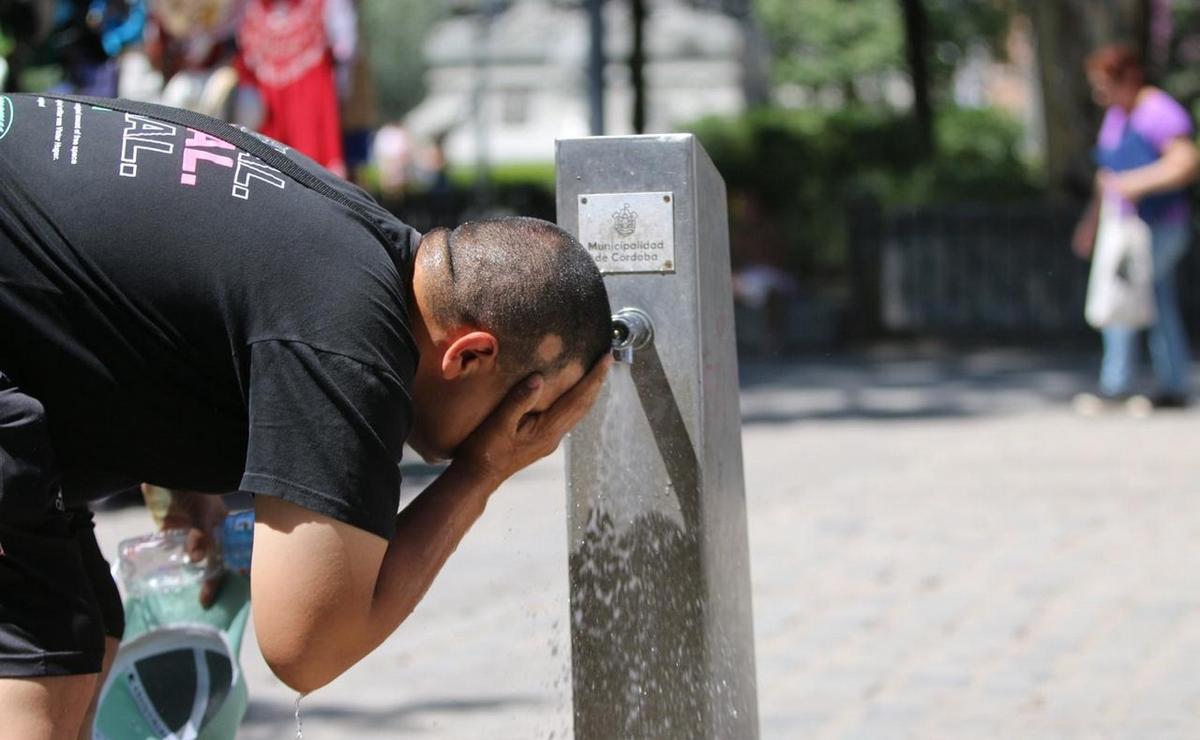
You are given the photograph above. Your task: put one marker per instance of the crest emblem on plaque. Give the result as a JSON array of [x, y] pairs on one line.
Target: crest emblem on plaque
[[625, 221]]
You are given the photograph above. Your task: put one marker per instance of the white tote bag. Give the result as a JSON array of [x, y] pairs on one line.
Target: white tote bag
[[1121, 286]]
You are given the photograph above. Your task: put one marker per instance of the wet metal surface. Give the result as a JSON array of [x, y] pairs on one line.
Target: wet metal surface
[[661, 636]]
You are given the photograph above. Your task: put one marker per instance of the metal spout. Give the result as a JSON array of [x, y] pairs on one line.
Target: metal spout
[[632, 330]]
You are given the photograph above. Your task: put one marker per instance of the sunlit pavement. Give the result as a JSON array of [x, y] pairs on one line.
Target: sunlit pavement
[[940, 548]]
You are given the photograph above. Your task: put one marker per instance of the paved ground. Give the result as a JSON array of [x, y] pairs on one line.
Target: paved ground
[[940, 549]]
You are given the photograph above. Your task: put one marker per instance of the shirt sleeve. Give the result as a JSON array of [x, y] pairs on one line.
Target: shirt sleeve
[[326, 433], [1110, 128], [1160, 119]]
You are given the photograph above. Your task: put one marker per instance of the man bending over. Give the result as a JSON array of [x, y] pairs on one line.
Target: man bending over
[[173, 309]]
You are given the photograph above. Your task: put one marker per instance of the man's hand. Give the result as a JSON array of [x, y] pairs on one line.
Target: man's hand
[[516, 434], [201, 514]]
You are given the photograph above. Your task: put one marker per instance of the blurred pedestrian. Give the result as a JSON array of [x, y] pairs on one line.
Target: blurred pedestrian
[[435, 168], [1146, 157], [392, 151], [356, 85], [119, 23], [285, 51], [78, 40]]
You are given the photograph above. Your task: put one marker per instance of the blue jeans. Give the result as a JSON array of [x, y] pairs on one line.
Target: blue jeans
[[1169, 353]]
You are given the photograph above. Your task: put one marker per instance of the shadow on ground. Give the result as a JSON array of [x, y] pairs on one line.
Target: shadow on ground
[[856, 413], [269, 714], [910, 382]]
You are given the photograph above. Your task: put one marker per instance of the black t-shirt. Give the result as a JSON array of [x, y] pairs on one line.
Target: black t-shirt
[[191, 317]]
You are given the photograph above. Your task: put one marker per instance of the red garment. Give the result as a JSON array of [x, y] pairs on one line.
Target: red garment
[[284, 52]]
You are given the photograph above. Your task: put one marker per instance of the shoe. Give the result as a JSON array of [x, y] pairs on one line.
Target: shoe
[[1170, 401], [1139, 406], [1087, 404], [1134, 404], [1093, 404]]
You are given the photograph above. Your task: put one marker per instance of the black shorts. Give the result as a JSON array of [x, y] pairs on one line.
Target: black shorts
[[57, 596]]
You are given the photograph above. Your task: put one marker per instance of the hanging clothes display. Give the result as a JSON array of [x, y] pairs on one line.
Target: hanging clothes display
[[285, 53]]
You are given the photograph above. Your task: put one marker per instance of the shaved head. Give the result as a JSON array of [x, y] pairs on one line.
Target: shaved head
[[523, 280]]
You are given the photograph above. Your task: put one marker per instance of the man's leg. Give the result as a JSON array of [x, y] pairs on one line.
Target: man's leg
[[110, 654], [52, 640], [99, 574], [51, 628], [47, 708], [51, 636]]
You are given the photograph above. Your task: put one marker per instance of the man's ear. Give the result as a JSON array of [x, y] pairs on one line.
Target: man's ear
[[473, 352]]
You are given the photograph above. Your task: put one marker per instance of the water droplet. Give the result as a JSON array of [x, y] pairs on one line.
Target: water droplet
[[299, 726]]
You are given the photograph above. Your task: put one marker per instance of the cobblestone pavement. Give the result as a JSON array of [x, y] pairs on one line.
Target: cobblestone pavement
[[940, 548]]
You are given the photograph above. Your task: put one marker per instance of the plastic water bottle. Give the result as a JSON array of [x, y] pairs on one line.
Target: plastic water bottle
[[158, 563], [175, 653], [237, 541]]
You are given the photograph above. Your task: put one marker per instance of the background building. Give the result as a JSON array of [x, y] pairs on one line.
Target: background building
[[515, 79]]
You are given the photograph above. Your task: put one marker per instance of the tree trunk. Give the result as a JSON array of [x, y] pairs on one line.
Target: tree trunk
[[756, 53], [637, 64], [916, 35], [1065, 32], [595, 68]]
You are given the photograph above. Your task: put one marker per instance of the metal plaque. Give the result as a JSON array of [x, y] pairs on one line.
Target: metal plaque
[[629, 232]]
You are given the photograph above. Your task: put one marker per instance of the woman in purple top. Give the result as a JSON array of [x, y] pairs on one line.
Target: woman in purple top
[[1146, 158]]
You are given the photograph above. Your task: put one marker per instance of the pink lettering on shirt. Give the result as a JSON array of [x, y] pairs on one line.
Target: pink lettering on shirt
[[195, 150]]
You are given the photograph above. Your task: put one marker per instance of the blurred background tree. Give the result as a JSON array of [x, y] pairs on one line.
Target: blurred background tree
[[1066, 32], [829, 46], [1175, 51], [848, 125], [395, 31]]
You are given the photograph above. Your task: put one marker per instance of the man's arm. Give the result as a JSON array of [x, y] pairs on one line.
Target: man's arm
[[325, 594]]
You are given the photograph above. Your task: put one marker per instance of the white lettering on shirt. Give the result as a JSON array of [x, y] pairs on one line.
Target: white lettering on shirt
[[142, 134], [249, 168]]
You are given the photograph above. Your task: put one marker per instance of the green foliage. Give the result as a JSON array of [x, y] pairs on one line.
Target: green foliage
[[978, 159], [42, 77], [533, 174], [802, 169], [395, 34], [956, 25], [1182, 76], [776, 153], [819, 43]]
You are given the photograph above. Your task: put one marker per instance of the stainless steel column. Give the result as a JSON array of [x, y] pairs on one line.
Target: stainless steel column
[[661, 636]]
